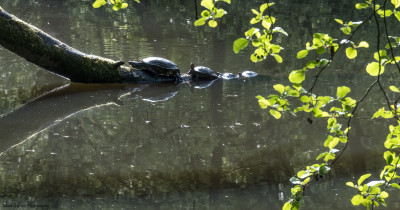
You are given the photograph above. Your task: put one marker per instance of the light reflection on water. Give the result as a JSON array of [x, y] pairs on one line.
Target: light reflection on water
[[114, 146]]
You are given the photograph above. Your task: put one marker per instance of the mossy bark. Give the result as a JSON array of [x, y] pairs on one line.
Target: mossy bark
[[49, 53]]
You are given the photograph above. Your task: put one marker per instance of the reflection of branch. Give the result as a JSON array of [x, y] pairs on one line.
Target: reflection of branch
[[56, 122]]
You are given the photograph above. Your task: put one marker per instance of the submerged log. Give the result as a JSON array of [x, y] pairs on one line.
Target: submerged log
[[53, 55]]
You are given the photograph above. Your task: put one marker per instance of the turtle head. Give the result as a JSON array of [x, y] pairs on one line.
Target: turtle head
[[191, 68]]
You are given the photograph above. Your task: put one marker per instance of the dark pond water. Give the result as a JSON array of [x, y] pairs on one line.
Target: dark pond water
[[169, 146]]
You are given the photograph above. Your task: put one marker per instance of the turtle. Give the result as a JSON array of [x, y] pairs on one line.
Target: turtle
[[228, 76], [202, 73], [248, 74], [157, 66]]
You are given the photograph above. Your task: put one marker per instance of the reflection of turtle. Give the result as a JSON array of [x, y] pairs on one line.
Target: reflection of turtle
[[201, 73], [157, 66]]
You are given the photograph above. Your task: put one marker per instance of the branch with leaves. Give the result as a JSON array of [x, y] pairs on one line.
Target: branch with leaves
[[373, 193]]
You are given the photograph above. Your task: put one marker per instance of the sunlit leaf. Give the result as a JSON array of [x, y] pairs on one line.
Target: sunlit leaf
[[297, 76], [280, 88], [220, 13], [394, 89], [240, 44], [395, 185], [362, 178], [275, 113], [342, 91], [339, 21], [287, 206], [212, 23], [350, 184], [384, 194], [209, 4], [99, 3], [363, 44], [373, 69], [200, 21], [357, 200], [278, 58], [396, 3], [351, 52], [301, 54], [362, 6], [205, 13], [397, 14]]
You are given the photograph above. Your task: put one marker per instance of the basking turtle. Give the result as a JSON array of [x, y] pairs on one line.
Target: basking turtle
[[157, 66], [201, 73], [247, 74], [228, 76]]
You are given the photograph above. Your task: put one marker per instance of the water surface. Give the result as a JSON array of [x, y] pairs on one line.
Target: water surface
[[127, 146]]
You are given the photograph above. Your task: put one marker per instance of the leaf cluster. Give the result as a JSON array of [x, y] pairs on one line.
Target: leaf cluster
[[116, 4], [211, 13], [261, 38]]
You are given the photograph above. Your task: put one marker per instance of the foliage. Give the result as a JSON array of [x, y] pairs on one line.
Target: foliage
[[211, 13], [261, 39], [341, 106], [116, 4]]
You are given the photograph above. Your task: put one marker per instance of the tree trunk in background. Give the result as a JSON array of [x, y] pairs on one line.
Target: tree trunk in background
[[51, 54]]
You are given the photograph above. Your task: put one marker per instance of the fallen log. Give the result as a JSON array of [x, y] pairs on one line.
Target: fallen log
[[53, 55]]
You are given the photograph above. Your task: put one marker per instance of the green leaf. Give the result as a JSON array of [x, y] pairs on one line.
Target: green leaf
[[263, 7], [220, 13], [287, 206], [350, 184], [209, 4], [200, 21], [301, 54], [333, 143], [339, 21], [384, 194], [363, 178], [373, 69], [205, 13], [363, 44], [297, 76], [397, 14], [240, 44], [278, 58], [351, 52], [342, 91], [212, 23], [396, 3], [275, 113], [362, 6], [266, 24], [395, 185], [99, 3], [394, 89], [280, 88], [357, 200]]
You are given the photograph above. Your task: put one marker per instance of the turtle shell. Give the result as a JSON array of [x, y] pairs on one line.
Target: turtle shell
[[248, 74], [158, 66], [202, 72]]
